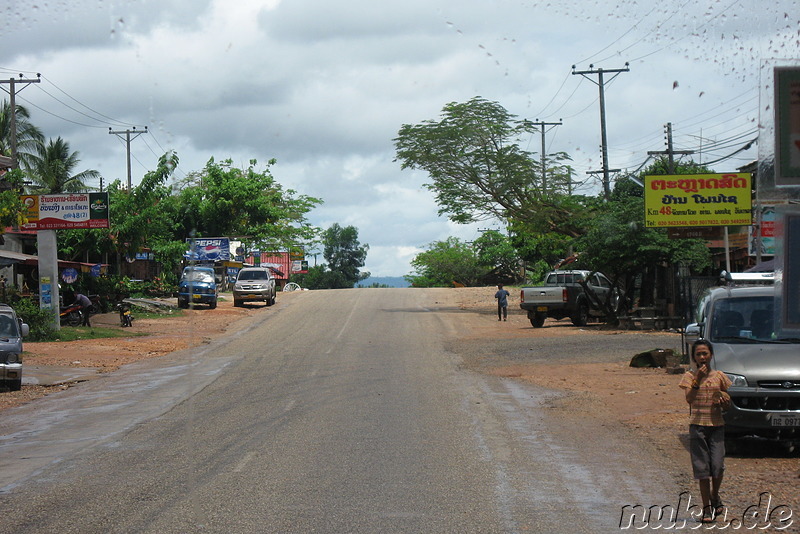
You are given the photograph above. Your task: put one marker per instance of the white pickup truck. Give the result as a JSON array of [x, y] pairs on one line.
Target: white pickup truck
[[578, 295]]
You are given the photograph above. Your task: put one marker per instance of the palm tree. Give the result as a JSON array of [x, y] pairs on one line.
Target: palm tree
[[28, 135], [51, 169]]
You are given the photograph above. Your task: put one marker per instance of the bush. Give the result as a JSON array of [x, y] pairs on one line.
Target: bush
[[40, 321]]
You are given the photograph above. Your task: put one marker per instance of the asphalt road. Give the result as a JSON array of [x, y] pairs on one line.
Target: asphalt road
[[335, 411]]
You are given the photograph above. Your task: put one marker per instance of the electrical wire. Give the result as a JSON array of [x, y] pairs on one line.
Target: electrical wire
[[108, 121], [55, 114]]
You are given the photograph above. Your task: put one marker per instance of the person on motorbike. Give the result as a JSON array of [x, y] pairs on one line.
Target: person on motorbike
[[85, 304]]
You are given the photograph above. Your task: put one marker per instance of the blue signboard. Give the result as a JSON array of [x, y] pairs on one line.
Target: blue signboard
[[209, 249], [69, 275]]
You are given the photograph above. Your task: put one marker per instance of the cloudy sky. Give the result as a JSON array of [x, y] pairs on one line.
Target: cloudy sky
[[323, 87]]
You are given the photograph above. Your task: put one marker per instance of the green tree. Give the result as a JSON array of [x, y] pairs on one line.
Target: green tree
[[479, 171], [495, 251], [320, 277], [344, 254], [29, 137], [445, 264], [620, 245], [11, 207], [223, 200], [51, 169]]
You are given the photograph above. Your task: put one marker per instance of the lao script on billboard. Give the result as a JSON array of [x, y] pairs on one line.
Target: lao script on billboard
[[209, 249], [66, 211], [698, 200]]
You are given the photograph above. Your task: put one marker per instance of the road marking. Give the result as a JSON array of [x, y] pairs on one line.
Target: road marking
[[243, 462]]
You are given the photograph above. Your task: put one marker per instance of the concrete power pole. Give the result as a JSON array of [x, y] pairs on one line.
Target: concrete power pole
[[601, 84], [544, 125], [670, 151], [136, 133], [12, 92]]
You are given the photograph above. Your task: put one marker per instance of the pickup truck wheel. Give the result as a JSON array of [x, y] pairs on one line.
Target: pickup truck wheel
[[15, 385], [212, 304], [271, 300], [537, 320], [581, 317], [237, 303]]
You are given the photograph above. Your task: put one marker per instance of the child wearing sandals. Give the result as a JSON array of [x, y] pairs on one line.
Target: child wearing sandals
[[706, 426]]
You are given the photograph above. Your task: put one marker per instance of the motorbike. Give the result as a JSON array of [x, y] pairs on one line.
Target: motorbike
[[72, 315], [125, 317]]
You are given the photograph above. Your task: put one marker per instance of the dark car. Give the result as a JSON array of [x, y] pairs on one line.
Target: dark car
[[12, 330]]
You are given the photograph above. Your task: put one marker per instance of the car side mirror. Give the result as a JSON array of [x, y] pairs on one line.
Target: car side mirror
[[25, 329]]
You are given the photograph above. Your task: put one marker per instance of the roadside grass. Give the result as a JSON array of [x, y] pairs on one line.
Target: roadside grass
[[76, 333]]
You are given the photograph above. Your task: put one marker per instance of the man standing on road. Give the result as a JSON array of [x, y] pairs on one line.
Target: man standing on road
[[502, 303]]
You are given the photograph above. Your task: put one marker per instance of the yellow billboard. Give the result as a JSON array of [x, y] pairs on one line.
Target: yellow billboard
[[698, 200]]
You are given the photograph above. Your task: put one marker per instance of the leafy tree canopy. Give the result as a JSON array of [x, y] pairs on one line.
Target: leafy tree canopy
[[445, 264], [52, 169], [344, 254], [497, 252], [223, 200], [29, 137], [479, 171]]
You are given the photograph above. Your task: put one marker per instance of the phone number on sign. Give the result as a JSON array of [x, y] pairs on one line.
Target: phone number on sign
[[703, 222]]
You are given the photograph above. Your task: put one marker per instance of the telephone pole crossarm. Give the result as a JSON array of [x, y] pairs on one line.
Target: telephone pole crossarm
[[128, 133], [601, 85]]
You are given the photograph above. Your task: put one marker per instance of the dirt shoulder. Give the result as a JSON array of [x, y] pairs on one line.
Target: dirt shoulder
[[147, 338], [644, 403]]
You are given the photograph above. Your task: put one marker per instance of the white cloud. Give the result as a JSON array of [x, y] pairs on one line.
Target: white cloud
[[324, 86]]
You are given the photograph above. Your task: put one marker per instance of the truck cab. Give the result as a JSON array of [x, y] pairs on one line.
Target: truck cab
[[198, 285]]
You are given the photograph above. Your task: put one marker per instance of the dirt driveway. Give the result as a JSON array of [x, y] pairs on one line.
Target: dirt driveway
[[644, 403]]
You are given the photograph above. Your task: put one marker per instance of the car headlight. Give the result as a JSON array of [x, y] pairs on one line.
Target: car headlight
[[737, 381], [9, 357]]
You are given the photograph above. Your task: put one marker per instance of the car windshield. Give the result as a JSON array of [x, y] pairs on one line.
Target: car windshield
[[253, 275], [8, 327], [198, 276], [743, 320]]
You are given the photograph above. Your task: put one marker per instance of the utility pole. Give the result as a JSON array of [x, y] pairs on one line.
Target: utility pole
[[601, 84], [12, 92], [670, 151], [544, 125], [136, 133]]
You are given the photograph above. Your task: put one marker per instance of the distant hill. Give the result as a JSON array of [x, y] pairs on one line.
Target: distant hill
[[391, 281]]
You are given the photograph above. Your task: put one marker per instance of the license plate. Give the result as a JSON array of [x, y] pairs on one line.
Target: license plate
[[197, 297], [541, 308], [785, 420]]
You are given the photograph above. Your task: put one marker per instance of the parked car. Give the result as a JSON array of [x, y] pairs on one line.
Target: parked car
[[12, 330], [199, 286], [254, 284], [763, 365], [563, 295]]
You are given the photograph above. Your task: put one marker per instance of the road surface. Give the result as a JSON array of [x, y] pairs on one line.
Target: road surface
[[334, 411]]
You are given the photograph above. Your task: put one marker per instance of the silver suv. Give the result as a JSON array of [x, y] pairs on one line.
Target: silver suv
[[763, 366], [12, 330], [254, 284]]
